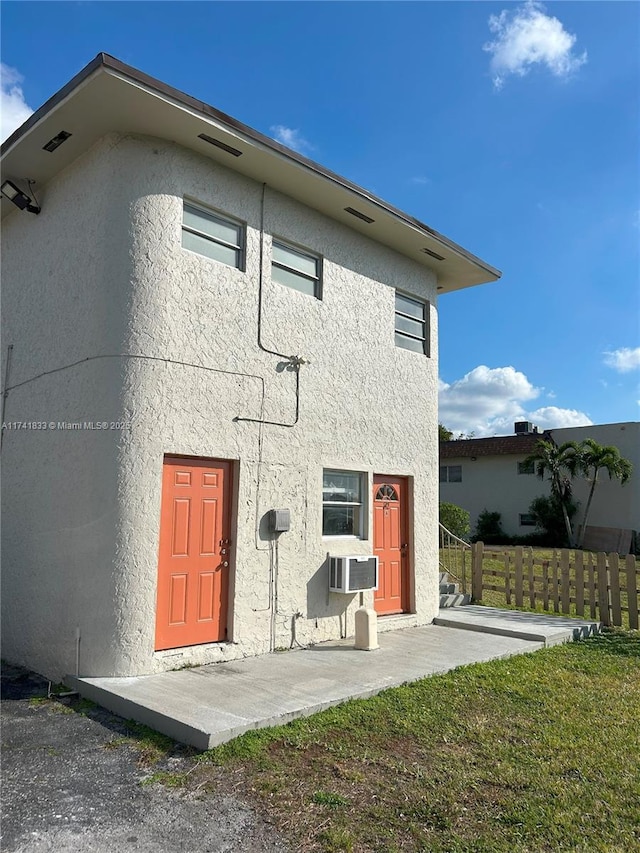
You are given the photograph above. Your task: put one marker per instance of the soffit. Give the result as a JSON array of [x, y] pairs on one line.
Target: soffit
[[106, 99]]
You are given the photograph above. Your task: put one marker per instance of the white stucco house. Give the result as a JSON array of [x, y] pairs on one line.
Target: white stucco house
[[201, 326], [490, 473]]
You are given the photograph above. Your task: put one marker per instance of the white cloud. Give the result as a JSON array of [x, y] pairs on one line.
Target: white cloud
[[526, 37], [487, 401], [551, 417], [291, 138], [14, 110], [623, 360]]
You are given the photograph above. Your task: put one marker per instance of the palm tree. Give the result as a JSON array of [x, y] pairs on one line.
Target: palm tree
[[561, 463], [594, 458]]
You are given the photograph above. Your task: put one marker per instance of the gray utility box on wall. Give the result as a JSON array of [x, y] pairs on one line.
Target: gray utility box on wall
[[279, 520], [353, 574]]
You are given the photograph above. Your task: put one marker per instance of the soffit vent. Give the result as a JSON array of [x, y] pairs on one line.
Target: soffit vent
[[219, 144], [57, 141], [433, 254], [357, 213]]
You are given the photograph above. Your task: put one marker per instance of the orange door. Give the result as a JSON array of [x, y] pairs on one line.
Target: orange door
[[390, 544], [193, 566]]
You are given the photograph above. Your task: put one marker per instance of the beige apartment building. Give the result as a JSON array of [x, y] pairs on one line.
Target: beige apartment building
[[491, 474]]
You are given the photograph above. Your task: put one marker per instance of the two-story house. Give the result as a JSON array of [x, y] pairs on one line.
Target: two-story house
[[201, 326]]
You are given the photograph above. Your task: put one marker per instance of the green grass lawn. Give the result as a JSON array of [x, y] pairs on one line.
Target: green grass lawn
[[540, 752]]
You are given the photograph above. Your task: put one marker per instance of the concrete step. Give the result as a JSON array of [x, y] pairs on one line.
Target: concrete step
[[444, 577], [539, 627], [449, 588], [456, 599], [397, 622]]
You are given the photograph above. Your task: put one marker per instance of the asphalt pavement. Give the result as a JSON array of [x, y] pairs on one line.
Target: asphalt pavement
[[73, 779]]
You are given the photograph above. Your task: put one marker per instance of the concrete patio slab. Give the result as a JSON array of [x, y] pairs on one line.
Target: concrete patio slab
[[539, 627], [209, 705]]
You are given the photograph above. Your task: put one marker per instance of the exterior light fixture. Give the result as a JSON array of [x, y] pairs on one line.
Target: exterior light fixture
[[13, 193]]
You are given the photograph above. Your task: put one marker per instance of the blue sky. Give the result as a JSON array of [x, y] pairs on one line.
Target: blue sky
[[513, 128]]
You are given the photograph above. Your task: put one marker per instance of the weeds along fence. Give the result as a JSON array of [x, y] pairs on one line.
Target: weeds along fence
[[577, 583]]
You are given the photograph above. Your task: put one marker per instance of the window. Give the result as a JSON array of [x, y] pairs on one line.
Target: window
[[525, 468], [342, 511], [527, 520], [451, 473], [411, 324], [296, 269], [213, 236]]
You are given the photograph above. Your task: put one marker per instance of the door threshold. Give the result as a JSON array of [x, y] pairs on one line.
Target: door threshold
[[393, 621]]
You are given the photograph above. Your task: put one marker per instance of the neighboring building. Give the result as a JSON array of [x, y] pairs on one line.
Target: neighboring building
[[202, 326], [490, 473]]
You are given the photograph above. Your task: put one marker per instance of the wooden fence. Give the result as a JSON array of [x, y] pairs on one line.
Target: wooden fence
[[579, 583]]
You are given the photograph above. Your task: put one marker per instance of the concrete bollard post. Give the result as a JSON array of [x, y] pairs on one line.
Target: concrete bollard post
[[366, 630]]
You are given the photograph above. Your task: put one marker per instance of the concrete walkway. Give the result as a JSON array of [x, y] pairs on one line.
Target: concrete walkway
[[208, 705]]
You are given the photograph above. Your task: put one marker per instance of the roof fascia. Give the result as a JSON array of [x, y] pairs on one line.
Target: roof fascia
[[113, 65]]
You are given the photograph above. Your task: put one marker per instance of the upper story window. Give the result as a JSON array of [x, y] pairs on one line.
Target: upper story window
[[213, 235], [297, 269], [451, 473], [342, 504], [525, 468], [412, 329]]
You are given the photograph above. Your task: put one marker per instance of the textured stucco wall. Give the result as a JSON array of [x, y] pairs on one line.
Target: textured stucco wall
[[65, 277], [365, 405]]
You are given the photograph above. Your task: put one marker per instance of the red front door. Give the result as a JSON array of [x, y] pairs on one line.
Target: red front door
[[193, 565], [390, 544]]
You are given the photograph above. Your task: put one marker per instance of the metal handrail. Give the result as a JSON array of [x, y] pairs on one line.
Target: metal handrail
[[453, 556]]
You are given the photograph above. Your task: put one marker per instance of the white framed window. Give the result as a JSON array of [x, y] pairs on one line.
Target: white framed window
[[213, 235], [296, 269], [412, 327], [451, 473], [526, 468], [342, 503], [527, 520]]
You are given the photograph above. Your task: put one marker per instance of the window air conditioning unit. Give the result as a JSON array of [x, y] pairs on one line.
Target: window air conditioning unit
[[353, 574]]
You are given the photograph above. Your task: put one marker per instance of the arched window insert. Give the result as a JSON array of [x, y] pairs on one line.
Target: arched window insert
[[386, 493]]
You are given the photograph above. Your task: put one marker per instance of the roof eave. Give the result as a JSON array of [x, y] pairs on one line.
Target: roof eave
[[460, 267]]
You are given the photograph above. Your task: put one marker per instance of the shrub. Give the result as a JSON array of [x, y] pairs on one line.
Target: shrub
[[547, 511], [489, 529], [455, 519]]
